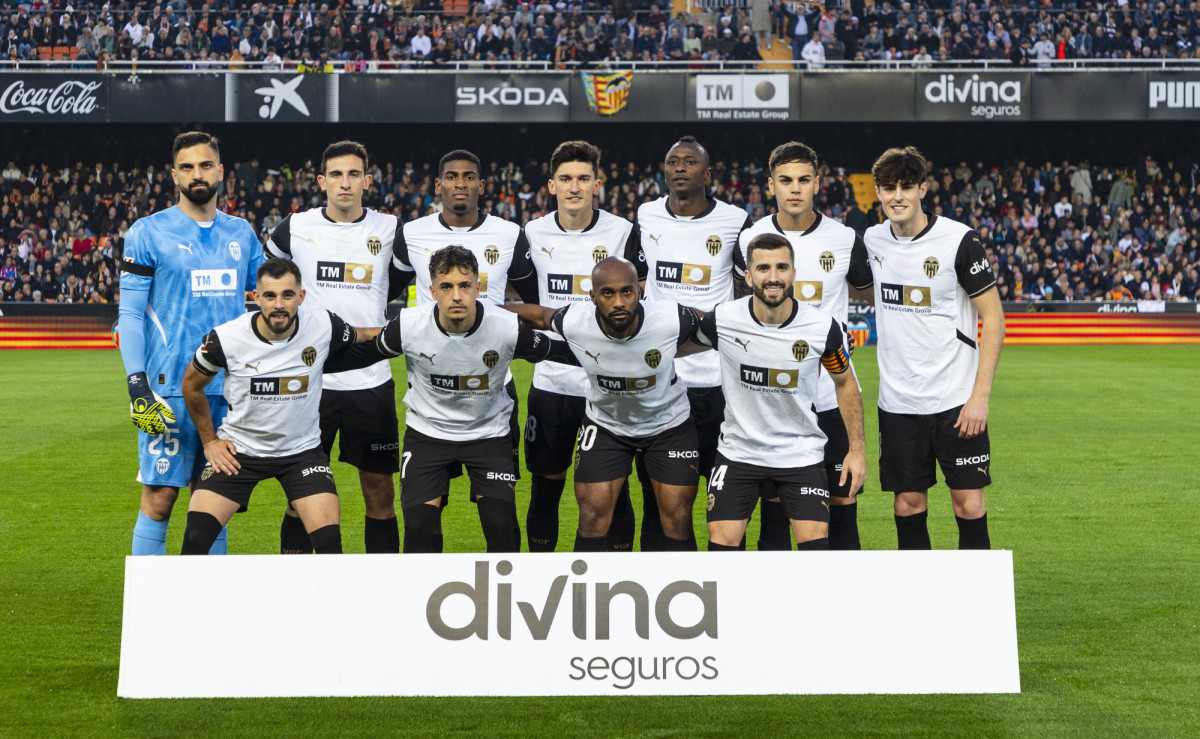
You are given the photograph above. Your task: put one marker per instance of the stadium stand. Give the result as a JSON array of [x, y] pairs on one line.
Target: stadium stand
[[348, 31], [1066, 231]]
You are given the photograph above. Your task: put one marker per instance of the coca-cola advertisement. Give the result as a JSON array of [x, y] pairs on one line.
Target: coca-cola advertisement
[[53, 97]]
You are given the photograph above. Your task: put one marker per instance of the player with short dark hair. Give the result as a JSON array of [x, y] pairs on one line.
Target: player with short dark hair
[[458, 349], [829, 259], [933, 283], [688, 252], [635, 406], [344, 251], [772, 353], [185, 269], [273, 361], [564, 246]]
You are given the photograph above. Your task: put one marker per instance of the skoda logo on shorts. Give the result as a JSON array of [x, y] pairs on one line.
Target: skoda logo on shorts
[[931, 267], [800, 350], [374, 245], [713, 245], [599, 254], [826, 260], [653, 357], [490, 358], [309, 355], [491, 254]]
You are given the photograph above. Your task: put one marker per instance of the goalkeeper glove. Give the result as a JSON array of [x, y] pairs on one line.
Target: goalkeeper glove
[[147, 409]]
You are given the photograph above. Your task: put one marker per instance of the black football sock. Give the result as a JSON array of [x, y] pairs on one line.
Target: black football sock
[[715, 547], [620, 530], [498, 518], [327, 539], [541, 521], [201, 531], [651, 536], [590, 543], [774, 528], [843, 527], [293, 539], [422, 529], [382, 535], [973, 533], [679, 545], [813, 545], [912, 532]]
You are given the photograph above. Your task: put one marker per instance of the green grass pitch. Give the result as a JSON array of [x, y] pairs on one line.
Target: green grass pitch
[[1094, 452]]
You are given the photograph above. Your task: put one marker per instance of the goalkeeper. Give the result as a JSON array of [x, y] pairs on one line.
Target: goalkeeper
[[185, 270]]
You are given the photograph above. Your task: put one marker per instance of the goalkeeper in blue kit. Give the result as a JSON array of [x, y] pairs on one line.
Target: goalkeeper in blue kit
[[185, 270]]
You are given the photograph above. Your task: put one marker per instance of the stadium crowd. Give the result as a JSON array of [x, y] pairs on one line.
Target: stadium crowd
[[346, 33], [1066, 231]]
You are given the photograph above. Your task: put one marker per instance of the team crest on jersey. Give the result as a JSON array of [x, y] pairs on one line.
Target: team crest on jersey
[[491, 254], [490, 358], [931, 267], [309, 355], [800, 350], [653, 357], [713, 244], [235, 250], [374, 245], [826, 260], [599, 254]]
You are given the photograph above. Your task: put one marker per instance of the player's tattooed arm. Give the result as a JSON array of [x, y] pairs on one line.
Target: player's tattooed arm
[[535, 315], [219, 452], [836, 361]]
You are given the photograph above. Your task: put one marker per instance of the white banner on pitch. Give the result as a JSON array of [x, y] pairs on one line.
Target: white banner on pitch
[[566, 624]]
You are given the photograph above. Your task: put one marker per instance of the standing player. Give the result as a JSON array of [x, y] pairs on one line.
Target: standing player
[[564, 246], [274, 361], [498, 245], [769, 348], [933, 283], [185, 270], [344, 252], [689, 254], [829, 258], [458, 350]]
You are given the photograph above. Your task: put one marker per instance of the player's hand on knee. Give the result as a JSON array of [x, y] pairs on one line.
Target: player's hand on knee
[[147, 409], [854, 470], [222, 456], [972, 419]]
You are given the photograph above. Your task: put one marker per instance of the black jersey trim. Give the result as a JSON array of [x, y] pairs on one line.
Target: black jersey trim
[[792, 317], [474, 326], [965, 339], [712, 205], [816, 222], [265, 340], [360, 219], [982, 290], [639, 320], [589, 227], [928, 227], [480, 217], [134, 268]]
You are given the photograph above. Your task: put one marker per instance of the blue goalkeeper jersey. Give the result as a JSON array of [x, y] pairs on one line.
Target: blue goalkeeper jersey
[[197, 278]]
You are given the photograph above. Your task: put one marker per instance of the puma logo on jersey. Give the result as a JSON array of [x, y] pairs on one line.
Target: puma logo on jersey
[[253, 366], [595, 357], [548, 252], [877, 259], [427, 356], [744, 343], [188, 248], [655, 238]]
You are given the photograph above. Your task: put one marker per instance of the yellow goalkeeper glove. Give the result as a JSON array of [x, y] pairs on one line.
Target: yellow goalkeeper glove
[[147, 409]]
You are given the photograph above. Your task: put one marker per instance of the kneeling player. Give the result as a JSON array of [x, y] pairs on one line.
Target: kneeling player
[[458, 350], [635, 404], [274, 360], [769, 351]]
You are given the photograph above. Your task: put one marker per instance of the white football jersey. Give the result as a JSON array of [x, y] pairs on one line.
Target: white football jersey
[[344, 268], [694, 261], [564, 261], [632, 388], [829, 257], [926, 322], [496, 243], [769, 376], [456, 381], [273, 388]]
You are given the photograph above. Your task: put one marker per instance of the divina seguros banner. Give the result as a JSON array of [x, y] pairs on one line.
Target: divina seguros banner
[[565, 624]]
